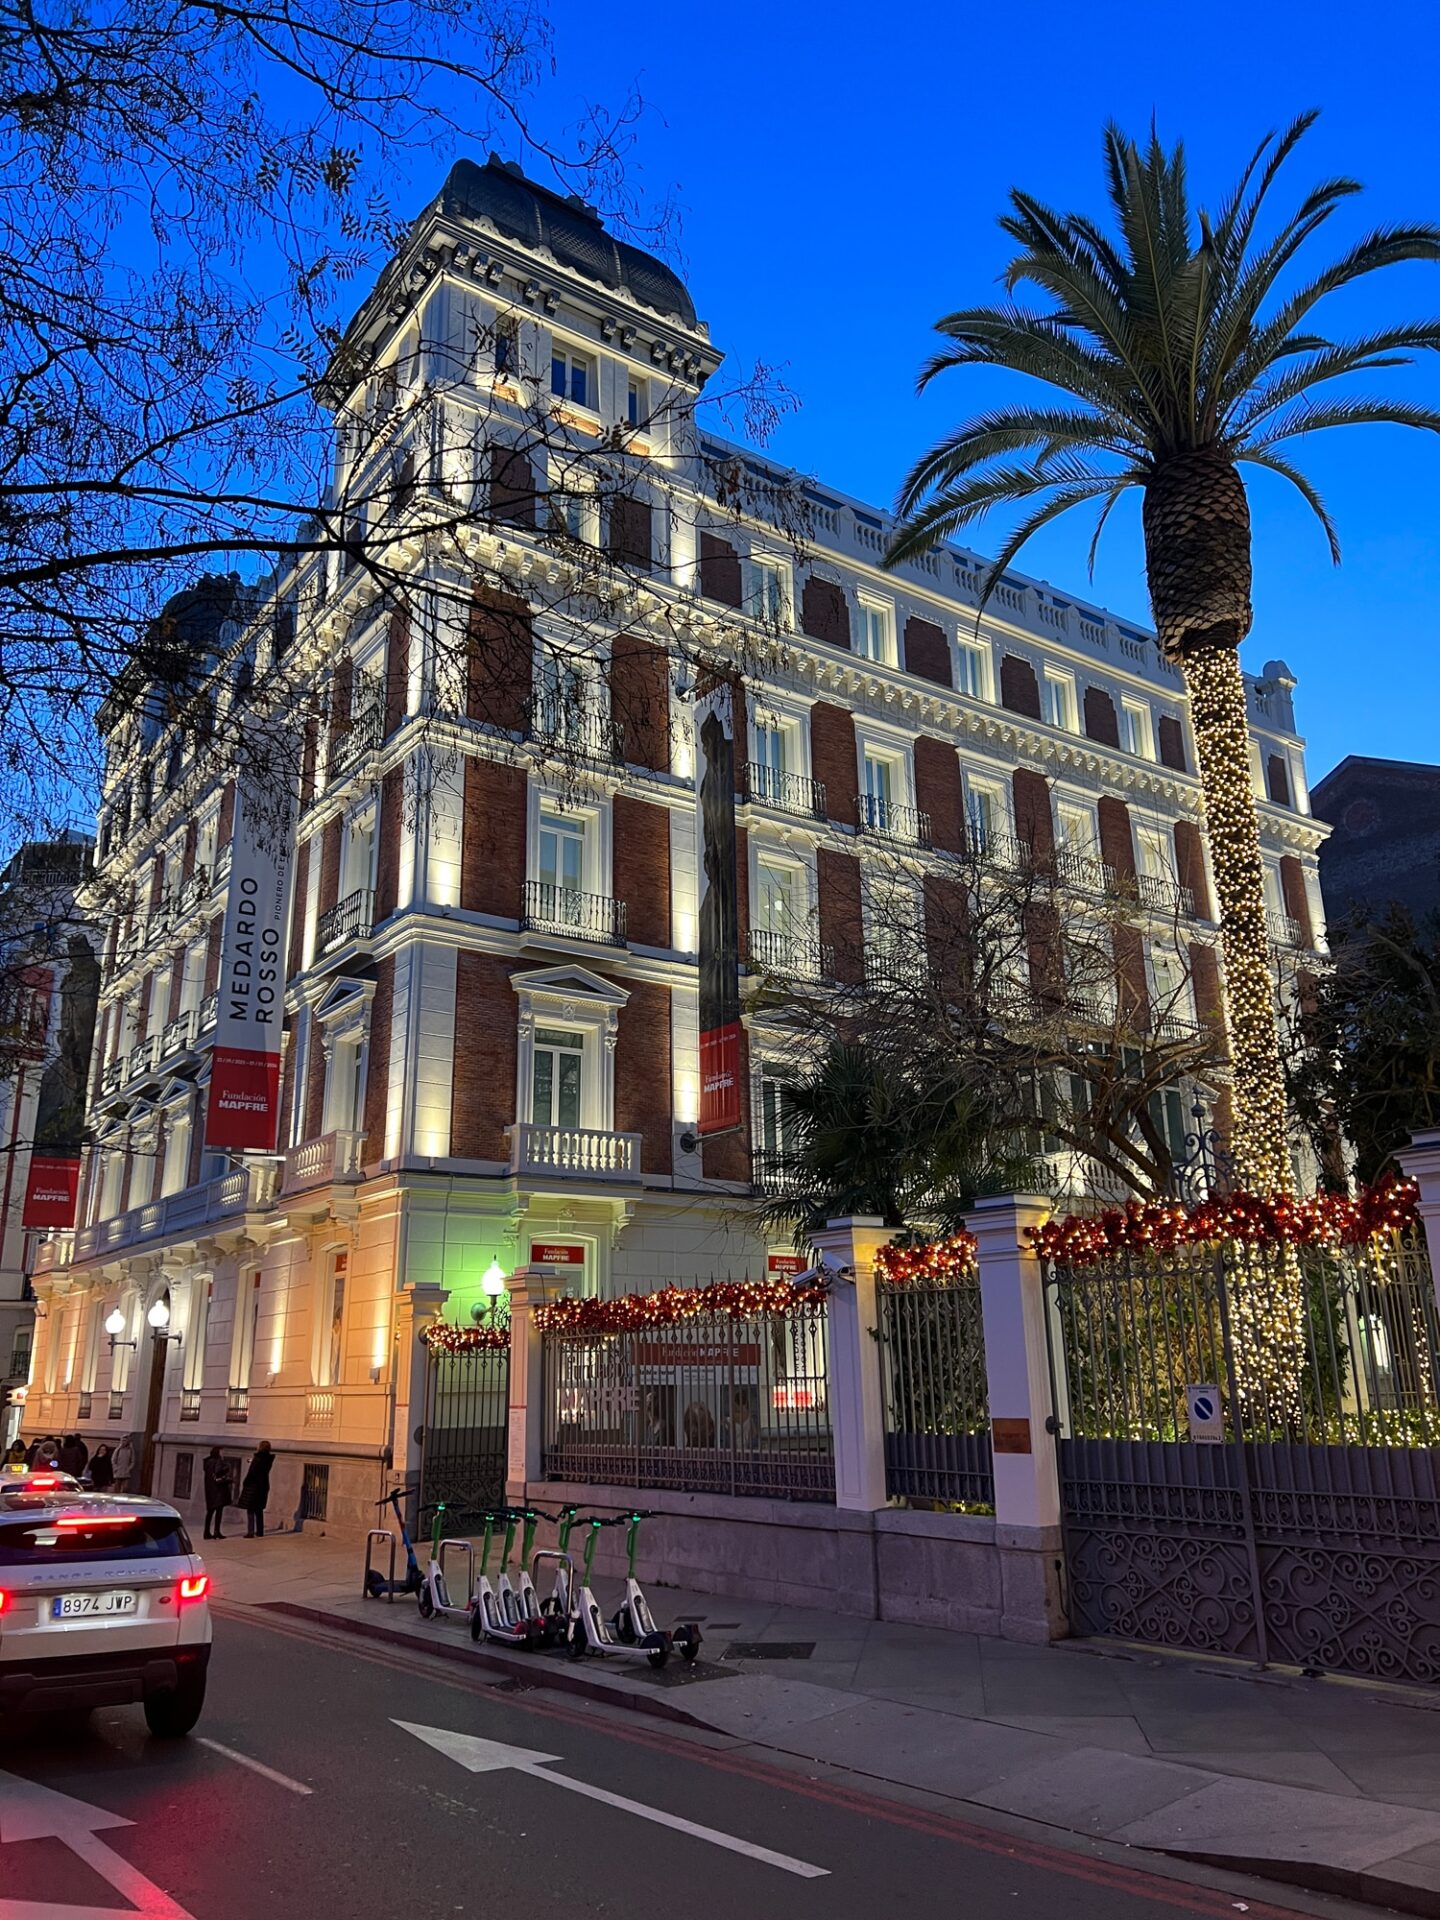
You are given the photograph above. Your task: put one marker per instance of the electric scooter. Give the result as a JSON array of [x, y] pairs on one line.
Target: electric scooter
[[434, 1595], [494, 1614], [633, 1620], [377, 1586], [555, 1608], [590, 1631]]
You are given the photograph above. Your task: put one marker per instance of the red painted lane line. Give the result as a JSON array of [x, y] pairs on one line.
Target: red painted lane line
[[1035, 1853]]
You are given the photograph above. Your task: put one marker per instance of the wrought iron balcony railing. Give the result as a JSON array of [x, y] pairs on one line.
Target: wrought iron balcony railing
[[177, 1035], [585, 916], [1164, 894], [1083, 873], [790, 953], [237, 1405], [365, 731], [209, 1013], [349, 919], [1285, 930], [790, 792], [911, 825], [562, 728]]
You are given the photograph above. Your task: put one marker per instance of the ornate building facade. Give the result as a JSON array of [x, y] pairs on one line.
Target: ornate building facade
[[492, 1050]]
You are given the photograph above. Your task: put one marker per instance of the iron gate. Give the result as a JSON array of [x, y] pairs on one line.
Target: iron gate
[[462, 1460], [1309, 1532]]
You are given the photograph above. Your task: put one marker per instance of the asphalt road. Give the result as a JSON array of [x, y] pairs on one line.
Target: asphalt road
[[353, 1816]]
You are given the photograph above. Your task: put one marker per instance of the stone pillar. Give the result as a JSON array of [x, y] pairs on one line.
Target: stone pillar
[[529, 1288], [1421, 1160], [857, 1412], [1017, 1364], [416, 1306]]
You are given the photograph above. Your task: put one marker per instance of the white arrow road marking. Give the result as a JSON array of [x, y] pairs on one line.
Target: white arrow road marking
[[255, 1766], [489, 1756], [31, 1812]]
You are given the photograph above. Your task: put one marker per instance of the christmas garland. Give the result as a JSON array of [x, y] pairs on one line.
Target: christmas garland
[[1326, 1219], [903, 1263], [440, 1337], [730, 1299]]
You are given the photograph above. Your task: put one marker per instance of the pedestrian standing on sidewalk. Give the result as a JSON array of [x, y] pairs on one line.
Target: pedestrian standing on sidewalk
[[255, 1491], [122, 1463], [102, 1469], [219, 1492]]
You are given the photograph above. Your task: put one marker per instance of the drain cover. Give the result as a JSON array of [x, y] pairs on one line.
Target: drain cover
[[770, 1649]]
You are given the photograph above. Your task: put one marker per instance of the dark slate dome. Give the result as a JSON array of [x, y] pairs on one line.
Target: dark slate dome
[[571, 231]]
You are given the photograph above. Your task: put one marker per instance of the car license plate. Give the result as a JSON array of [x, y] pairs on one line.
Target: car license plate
[[77, 1606]]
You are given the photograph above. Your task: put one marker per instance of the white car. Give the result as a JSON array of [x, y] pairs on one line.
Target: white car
[[102, 1602]]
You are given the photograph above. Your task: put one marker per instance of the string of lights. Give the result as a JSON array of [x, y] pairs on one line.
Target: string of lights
[[729, 1299], [907, 1264], [440, 1337]]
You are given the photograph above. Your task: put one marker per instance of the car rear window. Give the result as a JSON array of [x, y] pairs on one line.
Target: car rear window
[[61, 1537]]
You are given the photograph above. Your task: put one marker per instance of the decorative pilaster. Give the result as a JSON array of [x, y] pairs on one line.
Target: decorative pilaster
[[857, 1409]]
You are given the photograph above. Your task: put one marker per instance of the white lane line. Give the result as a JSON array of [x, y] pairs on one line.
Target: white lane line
[[255, 1766], [731, 1841]]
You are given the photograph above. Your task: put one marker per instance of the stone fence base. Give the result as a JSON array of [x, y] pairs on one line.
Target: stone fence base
[[924, 1569]]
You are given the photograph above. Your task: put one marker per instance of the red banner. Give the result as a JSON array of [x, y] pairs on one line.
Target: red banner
[[52, 1190], [244, 1106], [720, 1079], [548, 1253]]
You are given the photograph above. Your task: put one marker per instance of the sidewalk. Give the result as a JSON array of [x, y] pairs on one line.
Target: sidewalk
[[1322, 1783]]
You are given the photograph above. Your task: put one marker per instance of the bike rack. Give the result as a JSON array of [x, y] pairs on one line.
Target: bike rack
[[457, 1546], [379, 1533]]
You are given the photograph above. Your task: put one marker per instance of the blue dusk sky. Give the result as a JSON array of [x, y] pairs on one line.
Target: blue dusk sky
[[839, 171]]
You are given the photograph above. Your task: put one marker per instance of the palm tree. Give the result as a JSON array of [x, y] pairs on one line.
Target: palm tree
[[1179, 359]]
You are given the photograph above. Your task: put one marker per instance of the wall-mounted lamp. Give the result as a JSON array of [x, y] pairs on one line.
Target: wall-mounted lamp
[[115, 1326], [158, 1320], [492, 1281]]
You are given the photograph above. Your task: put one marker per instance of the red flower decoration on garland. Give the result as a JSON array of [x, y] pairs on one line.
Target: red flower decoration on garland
[[902, 1263], [733, 1299], [1326, 1219], [439, 1337]]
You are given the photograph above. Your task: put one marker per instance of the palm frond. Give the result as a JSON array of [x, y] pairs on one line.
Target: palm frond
[[1277, 463], [1309, 416]]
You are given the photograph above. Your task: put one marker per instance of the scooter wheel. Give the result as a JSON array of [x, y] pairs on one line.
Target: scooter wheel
[[658, 1658], [688, 1648], [576, 1645], [425, 1604], [624, 1626]]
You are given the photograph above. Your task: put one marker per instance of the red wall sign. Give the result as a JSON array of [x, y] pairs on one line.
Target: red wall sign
[[52, 1190], [549, 1253], [785, 1263]]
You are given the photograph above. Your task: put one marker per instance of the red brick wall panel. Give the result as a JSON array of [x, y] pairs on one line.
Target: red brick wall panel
[[1102, 723], [641, 869], [486, 1057], [842, 923], [314, 1084], [832, 758], [329, 866], [640, 700], [387, 854], [501, 664], [492, 855], [1297, 899], [1117, 843], [1019, 689], [937, 792], [1132, 992], [225, 829], [927, 651], [1190, 866], [377, 1069], [720, 571], [215, 933], [1034, 822], [825, 612], [642, 1073], [1170, 739], [397, 670]]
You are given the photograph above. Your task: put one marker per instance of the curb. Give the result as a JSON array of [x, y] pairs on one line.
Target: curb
[[1368, 1885], [558, 1678]]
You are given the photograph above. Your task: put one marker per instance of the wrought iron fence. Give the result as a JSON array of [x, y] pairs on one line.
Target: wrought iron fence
[[467, 1401], [1302, 1522], [936, 1394], [707, 1405]]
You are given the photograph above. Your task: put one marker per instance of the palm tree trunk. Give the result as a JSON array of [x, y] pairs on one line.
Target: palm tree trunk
[[1197, 551]]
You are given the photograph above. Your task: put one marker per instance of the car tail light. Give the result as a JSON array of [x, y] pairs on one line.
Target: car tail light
[[45, 1480], [4, 1599], [193, 1586], [83, 1522]]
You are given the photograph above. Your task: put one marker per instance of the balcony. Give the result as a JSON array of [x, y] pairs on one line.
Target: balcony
[[584, 916], [319, 1409], [209, 1013], [573, 1153], [767, 1169], [55, 1251], [113, 1076], [237, 1406], [576, 732], [241, 1190], [190, 1403], [1083, 873], [899, 972], [790, 954], [349, 919], [1163, 893], [1285, 931], [195, 890], [909, 825], [361, 737], [116, 1408], [996, 849], [320, 1162], [177, 1036], [141, 1060], [790, 792]]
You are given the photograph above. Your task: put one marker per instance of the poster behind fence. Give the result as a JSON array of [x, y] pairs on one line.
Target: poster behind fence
[[720, 1030], [244, 1104]]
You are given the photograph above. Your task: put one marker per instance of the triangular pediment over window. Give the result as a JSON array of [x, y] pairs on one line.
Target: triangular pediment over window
[[569, 983]]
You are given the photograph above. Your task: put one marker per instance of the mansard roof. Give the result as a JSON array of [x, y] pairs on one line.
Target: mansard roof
[[568, 229]]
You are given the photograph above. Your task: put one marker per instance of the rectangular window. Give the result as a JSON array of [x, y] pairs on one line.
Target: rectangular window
[[505, 346], [563, 700], [1135, 729], [337, 1319], [777, 895], [970, 670], [1153, 849], [766, 592], [555, 1078], [1060, 700], [247, 1325], [572, 512], [633, 407], [878, 799], [776, 1122], [770, 756], [572, 376], [984, 818], [875, 638], [1074, 829], [562, 858]]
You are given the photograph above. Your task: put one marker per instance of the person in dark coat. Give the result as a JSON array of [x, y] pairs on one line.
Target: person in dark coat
[[255, 1491], [102, 1472], [74, 1455], [218, 1493]]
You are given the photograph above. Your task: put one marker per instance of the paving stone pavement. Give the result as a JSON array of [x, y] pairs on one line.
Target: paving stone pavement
[[1327, 1783]]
